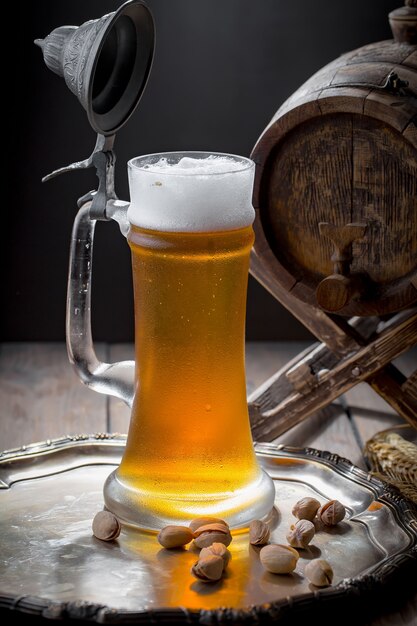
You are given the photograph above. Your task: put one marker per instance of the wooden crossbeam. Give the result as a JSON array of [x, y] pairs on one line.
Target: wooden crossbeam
[[362, 364]]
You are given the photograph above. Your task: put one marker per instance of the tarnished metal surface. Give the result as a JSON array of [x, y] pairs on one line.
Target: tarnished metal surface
[[51, 492]]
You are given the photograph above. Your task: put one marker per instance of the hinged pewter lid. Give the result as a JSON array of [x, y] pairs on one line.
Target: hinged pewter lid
[[105, 62]]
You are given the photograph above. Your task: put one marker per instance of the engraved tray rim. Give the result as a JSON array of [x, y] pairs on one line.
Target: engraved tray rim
[[382, 575]]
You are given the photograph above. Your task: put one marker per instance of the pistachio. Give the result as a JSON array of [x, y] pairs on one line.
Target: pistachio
[[331, 513], [259, 533], [279, 559], [208, 569], [174, 536], [212, 533], [216, 549], [106, 526], [301, 534], [306, 508], [319, 572], [212, 527], [203, 521]]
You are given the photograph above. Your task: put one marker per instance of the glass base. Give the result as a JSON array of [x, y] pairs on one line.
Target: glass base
[[147, 512]]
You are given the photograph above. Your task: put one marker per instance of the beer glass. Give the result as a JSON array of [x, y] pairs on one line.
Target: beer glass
[[189, 450]]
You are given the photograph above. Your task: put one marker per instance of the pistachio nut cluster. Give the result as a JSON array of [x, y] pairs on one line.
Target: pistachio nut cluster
[[330, 513], [211, 536]]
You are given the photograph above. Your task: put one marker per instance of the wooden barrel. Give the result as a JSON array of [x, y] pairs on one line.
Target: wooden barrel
[[336, 185]]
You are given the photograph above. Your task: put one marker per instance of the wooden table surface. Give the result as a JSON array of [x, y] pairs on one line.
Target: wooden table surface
[[41, 398]]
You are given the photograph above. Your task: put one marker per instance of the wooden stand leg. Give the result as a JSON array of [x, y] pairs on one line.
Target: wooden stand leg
[[398, 391], [351, 351], [272, 414]]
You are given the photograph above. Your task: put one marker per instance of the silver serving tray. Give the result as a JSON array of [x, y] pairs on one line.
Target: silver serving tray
[[52, 566]]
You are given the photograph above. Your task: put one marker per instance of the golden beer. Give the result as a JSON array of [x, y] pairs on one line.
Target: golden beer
[[189, 433], [189, 450]]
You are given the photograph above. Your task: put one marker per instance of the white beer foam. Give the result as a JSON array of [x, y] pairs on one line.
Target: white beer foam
[[188, 194]]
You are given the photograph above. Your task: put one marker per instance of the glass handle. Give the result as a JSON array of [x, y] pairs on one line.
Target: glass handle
[[115, 379]]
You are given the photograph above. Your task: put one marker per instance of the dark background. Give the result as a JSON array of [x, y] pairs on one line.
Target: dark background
[[221, 70]]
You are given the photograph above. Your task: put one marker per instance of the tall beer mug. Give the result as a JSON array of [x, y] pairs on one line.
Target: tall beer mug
[[189, 450]]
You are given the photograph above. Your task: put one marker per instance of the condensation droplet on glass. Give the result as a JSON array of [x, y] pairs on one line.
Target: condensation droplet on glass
[[76, 310], [208, 407]]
